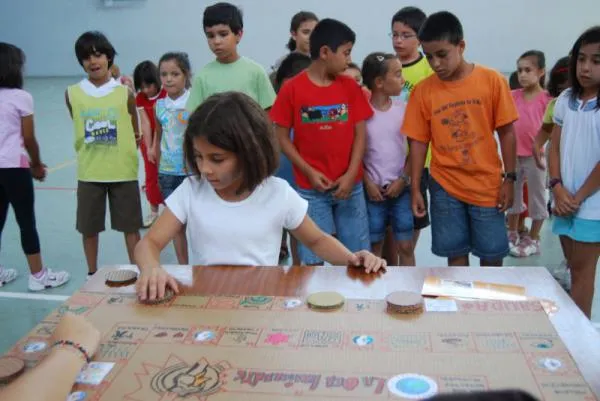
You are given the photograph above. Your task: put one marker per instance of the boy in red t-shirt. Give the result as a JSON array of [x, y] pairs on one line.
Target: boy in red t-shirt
[[327, 111]]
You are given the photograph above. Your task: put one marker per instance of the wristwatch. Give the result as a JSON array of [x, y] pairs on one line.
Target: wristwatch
[[554, 182], [510, 176]]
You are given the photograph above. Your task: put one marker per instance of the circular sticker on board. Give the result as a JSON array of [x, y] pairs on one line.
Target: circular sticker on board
[[550, 363], [412, 386], [34, 347], [362, 341], [292, 303], [76, 396], [203, 336]]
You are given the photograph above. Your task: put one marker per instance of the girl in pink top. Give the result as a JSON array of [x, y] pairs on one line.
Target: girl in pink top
[[17, 141], [531, 101]]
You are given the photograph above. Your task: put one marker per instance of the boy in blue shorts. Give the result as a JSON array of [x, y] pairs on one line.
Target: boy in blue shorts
[[223, 26], [327, 111]]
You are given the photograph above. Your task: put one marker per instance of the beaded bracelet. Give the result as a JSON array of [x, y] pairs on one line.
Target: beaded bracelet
[[76, 346]]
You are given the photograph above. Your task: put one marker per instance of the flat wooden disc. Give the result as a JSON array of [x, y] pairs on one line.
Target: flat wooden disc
[[10, 368], [169, 295], [325, 300], [404, 299], [121, 277]]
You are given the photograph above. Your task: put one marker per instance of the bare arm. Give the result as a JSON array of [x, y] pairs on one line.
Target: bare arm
[[358, 149], [147, 251], [416, 156], [68, 103], [29, 141], [132, 108], [508, 147], [145, 126], [590, 186], [554, 155]]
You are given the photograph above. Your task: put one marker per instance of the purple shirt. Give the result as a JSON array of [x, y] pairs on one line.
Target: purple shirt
[[14, 104], [386, 146]]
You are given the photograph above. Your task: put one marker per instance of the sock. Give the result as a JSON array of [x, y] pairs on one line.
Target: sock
[[40, 274]]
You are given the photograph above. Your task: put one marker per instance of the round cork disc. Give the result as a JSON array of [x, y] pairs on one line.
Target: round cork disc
[[121, 277], [404, 299], [10, 368], [325, 300], [169, 295]]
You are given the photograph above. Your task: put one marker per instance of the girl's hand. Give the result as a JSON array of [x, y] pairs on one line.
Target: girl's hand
[[154, 154], [153, 282], [507, 195], [77, 329], [373, 191], [565, 204], [38, 172], [370, 262], [418, 204], [319, 182], [343, 186], [395, 188], [538, 156]]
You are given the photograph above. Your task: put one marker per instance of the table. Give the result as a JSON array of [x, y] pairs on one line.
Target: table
[[575, 330]]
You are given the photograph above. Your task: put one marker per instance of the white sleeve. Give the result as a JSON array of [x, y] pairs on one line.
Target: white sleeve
[[295, 208], [561, 107], [179, 201]]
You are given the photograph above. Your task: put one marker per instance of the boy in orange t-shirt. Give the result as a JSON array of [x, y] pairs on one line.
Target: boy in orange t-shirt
[[457, 110]]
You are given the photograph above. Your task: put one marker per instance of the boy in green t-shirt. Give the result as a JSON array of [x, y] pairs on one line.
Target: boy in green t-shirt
[[223, 26]]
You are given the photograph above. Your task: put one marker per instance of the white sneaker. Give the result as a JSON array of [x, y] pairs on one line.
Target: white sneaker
[[7, 275], [50, 279], [150, 219]]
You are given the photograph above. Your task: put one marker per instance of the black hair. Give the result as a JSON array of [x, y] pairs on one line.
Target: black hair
[[353, 66], [442, 25], [94, 42], [414, 17], [226, 14], [331, 33], [146, 73], [513, 81], [591, 36], [292, 65], [183, 62], [12, 60], [234, 122], [559, 75], [540, 61], [374, 66], [297, 20]]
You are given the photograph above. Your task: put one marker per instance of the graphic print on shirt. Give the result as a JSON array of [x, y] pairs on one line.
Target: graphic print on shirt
[[336, 113], [462, 137], [100, 126], [174, 122]]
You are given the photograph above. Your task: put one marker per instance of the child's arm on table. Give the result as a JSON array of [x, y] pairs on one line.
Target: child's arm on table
[[345, 183], [316, 178], [417, 155], [153, 278], [333, 251], [508, 147]]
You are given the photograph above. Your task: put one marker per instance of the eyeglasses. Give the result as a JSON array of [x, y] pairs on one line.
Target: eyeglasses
[[402, 36]]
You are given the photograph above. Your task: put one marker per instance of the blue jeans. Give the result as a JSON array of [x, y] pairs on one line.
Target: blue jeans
[[346, 218], [396, 212], [169, 183], [458, 228]]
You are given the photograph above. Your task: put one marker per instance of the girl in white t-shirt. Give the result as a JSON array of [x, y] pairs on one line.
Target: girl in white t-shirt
[[234, 209], [575, 168]]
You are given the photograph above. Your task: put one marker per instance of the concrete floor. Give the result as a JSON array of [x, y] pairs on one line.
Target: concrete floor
[[61, 244]]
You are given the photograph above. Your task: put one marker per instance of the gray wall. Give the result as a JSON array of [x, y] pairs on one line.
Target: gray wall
[[496, 31]]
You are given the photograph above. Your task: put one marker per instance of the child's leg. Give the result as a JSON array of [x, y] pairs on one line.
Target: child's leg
[[389, 249], [401, 216], [321, 212], [583, 261], [518, 206], [126, 212], [449, 226], [489, 240], [377, 217], [91, 212], [351, 220], [420, 223], [181, 247]]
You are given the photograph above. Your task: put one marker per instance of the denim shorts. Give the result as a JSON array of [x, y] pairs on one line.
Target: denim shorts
[[458, 228], [346, 218], [396, 212], [577, 229], [169, 183]]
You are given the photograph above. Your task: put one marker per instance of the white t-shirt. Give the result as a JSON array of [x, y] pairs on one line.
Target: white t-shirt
[[244, 233], [579, 147]]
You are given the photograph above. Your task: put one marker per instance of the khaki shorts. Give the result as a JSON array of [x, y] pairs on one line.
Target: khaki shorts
[[124, 202]]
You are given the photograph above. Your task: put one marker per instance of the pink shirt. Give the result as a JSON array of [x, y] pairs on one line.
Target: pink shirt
[[386, 146], [531, 114], [14, 104]]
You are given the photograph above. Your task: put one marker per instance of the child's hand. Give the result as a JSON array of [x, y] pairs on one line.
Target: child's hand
[[154, 154], [373, 191], [77, 329], [538, 156], [395, 188], [343, 186], [153, 282], [565, 204], [370, 262], [318, 181], [38, 172], [507, 195], [418, 204]]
